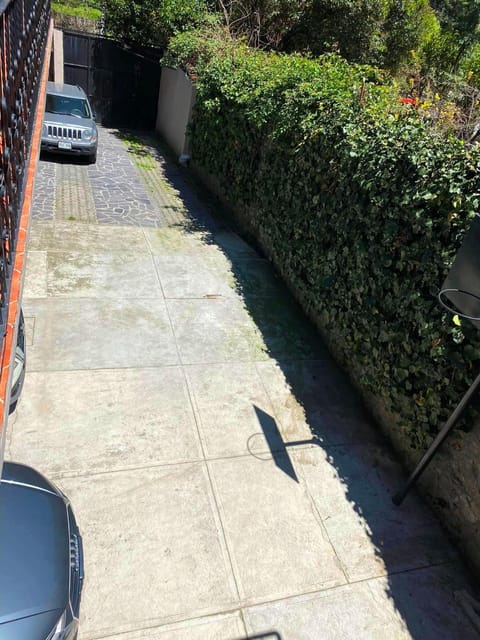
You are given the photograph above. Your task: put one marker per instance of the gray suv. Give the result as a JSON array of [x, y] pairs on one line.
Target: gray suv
[[69, 124]]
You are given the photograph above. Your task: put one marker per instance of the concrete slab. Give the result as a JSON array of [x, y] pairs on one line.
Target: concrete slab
[[314, 401], [417, 604], [99, 334], [193, 277], [178, 240], [428, 602], [256, 279], [153, 549], [229, 627], [233, 246], [351, 488], [215, 330], [68, 236], [35, 285], [346, 613], [230, 400], [377, 546], [102, 275], [277, 543], [189, 240], [209, 273], [29, 331], [364, 475], [288, 335], [98, 421], [220, 330]]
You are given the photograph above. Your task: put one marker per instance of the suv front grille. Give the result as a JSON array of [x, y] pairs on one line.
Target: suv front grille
[[64, 133], [74, 553], [76, 563]]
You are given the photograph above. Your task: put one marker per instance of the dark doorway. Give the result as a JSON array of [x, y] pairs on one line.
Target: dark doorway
[[122, 84]]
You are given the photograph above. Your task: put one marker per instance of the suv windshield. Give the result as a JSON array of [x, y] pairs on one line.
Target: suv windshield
[[67, 106]]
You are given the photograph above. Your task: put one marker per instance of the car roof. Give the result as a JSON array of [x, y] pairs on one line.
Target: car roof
[[70, 90]]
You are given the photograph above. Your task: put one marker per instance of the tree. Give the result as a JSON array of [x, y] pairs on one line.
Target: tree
[[460, 21], [409, 26], [353, 28], [461, 17], [151, 22], [263, 23]]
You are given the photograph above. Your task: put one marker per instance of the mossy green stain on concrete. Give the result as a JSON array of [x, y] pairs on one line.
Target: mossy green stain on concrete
[[171, 239], [162, 194]]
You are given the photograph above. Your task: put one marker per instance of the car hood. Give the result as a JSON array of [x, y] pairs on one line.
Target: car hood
[[70, 121], [38, 626], [34, 552]]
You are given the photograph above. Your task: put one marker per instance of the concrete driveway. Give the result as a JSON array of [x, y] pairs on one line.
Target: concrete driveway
[[224, 474]]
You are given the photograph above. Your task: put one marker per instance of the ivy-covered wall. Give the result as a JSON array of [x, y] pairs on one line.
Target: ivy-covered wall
[[361, 203]]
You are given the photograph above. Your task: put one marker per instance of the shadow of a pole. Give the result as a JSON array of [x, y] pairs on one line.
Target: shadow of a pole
[[271, 635]]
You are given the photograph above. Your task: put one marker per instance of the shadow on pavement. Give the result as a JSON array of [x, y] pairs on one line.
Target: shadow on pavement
[[273, 437], [273, 635], [64, 158], [372, 537]]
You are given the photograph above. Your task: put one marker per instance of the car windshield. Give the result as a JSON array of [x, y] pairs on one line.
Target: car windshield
[[67, 106]]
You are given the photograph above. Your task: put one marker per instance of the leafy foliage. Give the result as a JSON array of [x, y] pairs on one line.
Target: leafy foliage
[[460, 17], [471, 66], [82, 11], [190, 49], [410, 26], [373, 31], [151, 22], [460, 20], [351, 27], [89, 9], [262, 23], [362, 206], [426, 36]]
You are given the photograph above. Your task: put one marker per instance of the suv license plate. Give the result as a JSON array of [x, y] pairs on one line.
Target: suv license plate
[[64, 145]]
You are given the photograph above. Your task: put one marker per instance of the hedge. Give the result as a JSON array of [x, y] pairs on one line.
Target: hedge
[[361, 203]]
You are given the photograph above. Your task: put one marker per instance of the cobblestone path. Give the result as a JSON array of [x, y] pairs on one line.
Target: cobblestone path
[[131, 184], [44, 194]]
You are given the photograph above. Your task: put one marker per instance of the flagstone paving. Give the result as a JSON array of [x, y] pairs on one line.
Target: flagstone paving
[[226, 478]]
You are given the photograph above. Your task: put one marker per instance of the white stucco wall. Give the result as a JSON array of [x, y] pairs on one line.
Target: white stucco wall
[[58, 55], [175, 102]]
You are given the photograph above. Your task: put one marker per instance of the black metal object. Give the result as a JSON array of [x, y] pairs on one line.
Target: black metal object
[[23, 37], [433, 448], [122, 84], [460, 295]]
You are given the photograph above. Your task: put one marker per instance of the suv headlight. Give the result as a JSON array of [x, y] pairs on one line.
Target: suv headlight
[[87, 134], [57, 633]]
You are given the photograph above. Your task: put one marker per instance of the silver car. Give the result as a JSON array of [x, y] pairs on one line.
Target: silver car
[[69, 123], [41, 557]]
